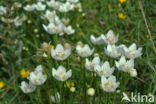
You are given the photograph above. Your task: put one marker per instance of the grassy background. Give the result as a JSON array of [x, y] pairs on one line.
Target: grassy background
[[131, 29]]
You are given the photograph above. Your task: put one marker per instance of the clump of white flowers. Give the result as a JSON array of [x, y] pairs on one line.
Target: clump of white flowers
[[36, 78]]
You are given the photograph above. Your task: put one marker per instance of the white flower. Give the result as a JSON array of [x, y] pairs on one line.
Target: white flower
[[132, 51], [61, 74], [68, 30], [27, 88], [104, 69], [110, 38], [40, 7], [97, 41], [109, 84], [91, 91], [112, 51], [90, 64], [73, 1], [133, 72], [54, 29], [54, 4], [56, 98], [2, 10], [50, 15], [66, 7], [60, 52], [18, 22], [37, 77], [124, 65], [29, 7], [84, 51]]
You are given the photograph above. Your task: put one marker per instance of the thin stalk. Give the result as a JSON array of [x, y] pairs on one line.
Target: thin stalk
[[39, 95], [84, 80]]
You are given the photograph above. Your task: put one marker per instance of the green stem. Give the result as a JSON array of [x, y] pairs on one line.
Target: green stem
[[31, 99], [84, 80], [39, 95]]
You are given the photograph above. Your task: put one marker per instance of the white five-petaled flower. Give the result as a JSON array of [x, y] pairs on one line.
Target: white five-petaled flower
[[69, 30], [84, 50], [90, 64], [37, 77], [2, 10], [50, 15], [60, 52], [61, 74], [29, 7], [97, 41], [124, 65], [27, 87], [73, 1], [109, 84], [104, 69], [54, 4], [54, 29], [39, 6], [112, 51], [66, 7], [110, 37], [132, 51]]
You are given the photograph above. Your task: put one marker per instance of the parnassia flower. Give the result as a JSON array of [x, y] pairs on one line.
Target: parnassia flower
[[112, 51], [2, 10], [37, 77], [52, 28], [60, 52], [39, 6], [27, 87], [69, 30], [29, 7], [61, 74], [104, 69], [126, 66], [110, 37], [109, 84], [90, 64], [97, 41], [132, 51], [84, 50]]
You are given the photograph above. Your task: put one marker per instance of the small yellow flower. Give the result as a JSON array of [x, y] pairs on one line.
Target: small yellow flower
[[1, 84], [70, 84], [147, 36], [121, 16], [122, 1], [24, 73], [51, 46]]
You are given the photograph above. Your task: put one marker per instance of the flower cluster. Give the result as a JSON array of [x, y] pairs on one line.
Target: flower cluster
[[36, 78], [108, 81]]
